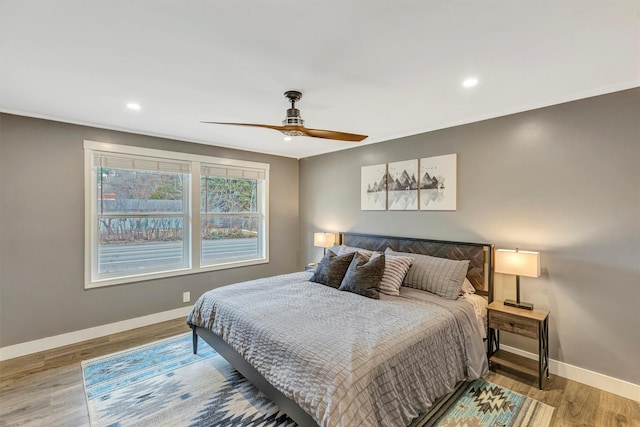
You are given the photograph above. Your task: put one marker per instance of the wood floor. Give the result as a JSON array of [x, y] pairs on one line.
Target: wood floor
[[45, 389]]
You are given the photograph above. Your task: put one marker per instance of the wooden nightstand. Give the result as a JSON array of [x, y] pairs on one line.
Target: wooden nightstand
[[533, 324]]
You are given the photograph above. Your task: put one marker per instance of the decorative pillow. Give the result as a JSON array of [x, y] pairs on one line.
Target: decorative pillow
[[342, 249], [335, 248], [363, 276], [440, 276], [395, 269], [467, 287], [331, 269]]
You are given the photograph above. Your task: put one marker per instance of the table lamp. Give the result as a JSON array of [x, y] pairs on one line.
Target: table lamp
[[519, 263], [324, 240]]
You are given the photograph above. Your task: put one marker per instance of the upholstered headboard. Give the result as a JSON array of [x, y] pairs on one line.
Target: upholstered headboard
[[480, 255]]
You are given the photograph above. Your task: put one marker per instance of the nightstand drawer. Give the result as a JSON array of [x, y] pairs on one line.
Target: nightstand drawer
[[512, 323]]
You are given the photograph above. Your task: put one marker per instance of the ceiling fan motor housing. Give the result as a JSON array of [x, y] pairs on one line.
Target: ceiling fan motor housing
[[293, 118]]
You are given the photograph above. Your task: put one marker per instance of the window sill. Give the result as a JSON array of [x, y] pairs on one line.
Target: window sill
[[89, 284]]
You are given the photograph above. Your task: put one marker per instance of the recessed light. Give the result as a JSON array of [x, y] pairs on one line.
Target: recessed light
[[133, 106], [287, 138], [470, 82]]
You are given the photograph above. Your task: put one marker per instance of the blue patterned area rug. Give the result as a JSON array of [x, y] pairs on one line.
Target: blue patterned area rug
[[165, 384], [486, 404]]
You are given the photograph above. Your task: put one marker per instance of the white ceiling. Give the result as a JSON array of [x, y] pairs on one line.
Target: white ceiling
[[377, 67]]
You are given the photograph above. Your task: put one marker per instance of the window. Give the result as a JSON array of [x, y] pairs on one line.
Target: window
[[230, 213], [152, 213]]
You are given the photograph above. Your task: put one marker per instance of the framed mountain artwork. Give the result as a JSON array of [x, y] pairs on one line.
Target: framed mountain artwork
[[438, 183], [373, 188], [402, 185]]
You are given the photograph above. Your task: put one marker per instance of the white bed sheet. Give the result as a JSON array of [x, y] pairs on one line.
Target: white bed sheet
[[480, 304]]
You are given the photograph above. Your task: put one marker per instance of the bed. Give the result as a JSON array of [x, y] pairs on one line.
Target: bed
[[333, 358]]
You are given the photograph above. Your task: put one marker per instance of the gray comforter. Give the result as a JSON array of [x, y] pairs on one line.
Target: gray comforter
[[345, 359]]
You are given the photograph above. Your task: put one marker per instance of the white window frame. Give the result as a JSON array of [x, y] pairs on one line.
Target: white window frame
[[192, 218]]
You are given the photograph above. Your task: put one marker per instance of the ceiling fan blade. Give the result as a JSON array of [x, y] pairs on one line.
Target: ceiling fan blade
[[280, 128], [331, 134], [294, 130]]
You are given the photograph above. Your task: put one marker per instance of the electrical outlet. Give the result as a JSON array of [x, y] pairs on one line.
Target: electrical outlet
[[186, 296]]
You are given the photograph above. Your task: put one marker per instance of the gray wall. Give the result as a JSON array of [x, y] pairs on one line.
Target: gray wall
[[563, 180], [41, 267]]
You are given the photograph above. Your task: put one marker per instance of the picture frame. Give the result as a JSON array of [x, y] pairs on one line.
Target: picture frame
[[373, 188], [438, 183], [402, 185]]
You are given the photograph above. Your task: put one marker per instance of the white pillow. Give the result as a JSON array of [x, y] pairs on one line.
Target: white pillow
[[467, 287]]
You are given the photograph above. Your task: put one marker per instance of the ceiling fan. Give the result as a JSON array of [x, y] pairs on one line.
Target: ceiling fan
[[293, 124]]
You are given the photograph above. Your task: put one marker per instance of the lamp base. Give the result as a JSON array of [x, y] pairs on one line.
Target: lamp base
[[523, 305]]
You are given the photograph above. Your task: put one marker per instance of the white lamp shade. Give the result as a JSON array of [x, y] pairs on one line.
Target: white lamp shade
[[324, 240], [519, 263]]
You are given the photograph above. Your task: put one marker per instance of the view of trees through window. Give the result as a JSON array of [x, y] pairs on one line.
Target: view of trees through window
[[128, 200], [228, 196]]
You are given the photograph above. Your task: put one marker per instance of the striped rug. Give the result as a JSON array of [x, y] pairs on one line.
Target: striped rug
[[165, 384]]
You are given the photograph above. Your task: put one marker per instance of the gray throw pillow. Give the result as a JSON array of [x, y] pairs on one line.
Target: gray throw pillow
[[364, 275], [441, 276], [331, 269]]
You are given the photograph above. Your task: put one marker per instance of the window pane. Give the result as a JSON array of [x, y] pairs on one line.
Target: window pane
[[139, 242], [229, 238], [125, 190], [228, 194], [137, 245]]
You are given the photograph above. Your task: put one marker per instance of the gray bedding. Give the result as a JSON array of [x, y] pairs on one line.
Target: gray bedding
[[347, 360]]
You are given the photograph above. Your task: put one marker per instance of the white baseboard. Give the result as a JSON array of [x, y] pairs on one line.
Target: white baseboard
[[584, 376], [48, 343]]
